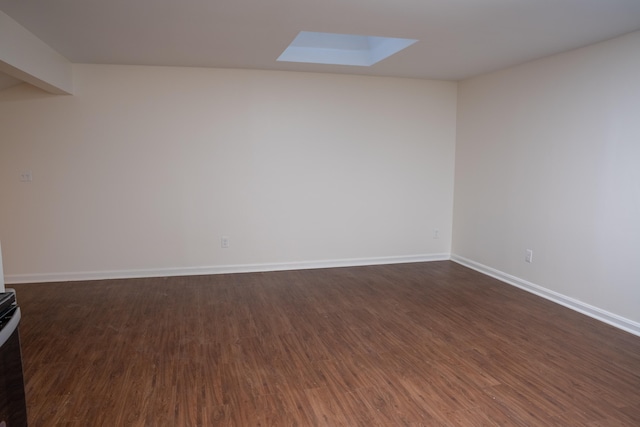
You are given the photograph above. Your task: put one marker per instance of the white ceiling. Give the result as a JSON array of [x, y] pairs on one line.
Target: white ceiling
[[457, 38]]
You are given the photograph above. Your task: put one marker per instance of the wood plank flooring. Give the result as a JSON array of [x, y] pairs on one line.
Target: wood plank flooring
[[426, 344]]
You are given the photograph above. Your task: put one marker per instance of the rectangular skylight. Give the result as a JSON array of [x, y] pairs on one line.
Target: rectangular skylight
[[342, 49]]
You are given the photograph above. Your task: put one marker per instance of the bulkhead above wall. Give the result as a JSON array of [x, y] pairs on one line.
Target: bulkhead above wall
[[24, 57]]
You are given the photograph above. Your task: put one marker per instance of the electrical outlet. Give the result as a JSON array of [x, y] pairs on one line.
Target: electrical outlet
[[436, 233], [26, 176], [224, 242], [529, 256]]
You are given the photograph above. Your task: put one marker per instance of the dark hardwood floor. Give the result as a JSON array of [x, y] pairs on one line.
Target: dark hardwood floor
[[432, 344]]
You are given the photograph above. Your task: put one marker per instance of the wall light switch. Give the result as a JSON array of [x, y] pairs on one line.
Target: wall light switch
[[26, 176]]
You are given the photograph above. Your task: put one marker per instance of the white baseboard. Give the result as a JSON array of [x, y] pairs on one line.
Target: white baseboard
[[579, 306], [221, 269]]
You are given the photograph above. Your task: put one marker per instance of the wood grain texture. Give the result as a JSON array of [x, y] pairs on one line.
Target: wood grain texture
[[426, 344]]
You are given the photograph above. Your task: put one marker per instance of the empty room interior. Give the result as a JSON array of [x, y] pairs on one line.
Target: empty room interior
[[322, 213]]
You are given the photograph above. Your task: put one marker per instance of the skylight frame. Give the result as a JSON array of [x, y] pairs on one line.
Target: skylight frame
[[342, 49]]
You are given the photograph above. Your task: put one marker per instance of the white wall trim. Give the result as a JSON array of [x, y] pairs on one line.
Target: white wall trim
[[579, 306], [221, 269]]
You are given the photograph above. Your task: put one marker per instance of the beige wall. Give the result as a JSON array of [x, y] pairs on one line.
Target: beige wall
[[548, 159], [145, 168]]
